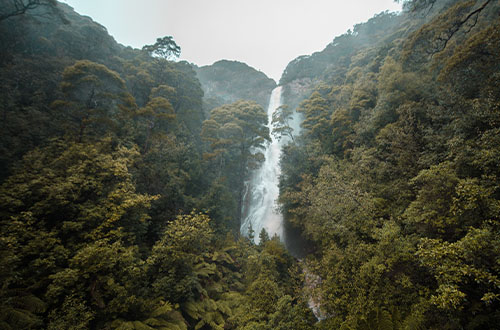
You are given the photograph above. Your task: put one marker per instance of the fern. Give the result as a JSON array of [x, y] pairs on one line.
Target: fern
[[129, 325], [21, 312], [164, 317], [208, 312], [162, 310], [204, 269], [19, 318], [4, 325], [222, 257], [414, 321], [380, 319]]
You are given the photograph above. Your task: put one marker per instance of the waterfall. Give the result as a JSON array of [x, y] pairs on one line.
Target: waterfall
[[260, 210]]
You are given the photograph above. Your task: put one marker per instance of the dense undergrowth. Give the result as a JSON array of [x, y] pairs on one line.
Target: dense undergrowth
[[121, 195]]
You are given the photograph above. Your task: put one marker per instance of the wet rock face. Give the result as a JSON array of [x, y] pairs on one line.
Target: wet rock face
[[312, 283], [300, 86], [296, 91]]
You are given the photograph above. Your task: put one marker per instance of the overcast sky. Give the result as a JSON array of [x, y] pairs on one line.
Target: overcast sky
[[265, 34]]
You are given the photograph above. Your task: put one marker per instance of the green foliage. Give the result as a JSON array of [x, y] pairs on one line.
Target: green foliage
[[163, 317], [156, 117], [474, 62], [281, 122], [393, 182], [208, 312], [73, 313], [96, 101], [457, 264], [226, 82], [173, 260], [431, 207], [331, 62], [263, 237], [236, 133], [317, 114], [242, 124], [445, 31], [291, 315], [164, 48], [72, 214], [19, 311]]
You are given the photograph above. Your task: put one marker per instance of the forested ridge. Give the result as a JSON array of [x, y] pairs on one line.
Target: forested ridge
[[122, 181], [394, 180], [229, 81]]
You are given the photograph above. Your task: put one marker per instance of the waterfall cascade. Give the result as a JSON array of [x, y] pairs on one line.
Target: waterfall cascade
[[260, 209]]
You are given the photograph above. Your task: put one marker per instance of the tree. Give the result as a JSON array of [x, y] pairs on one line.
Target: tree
[[434, 37], [220, 142], [317, 114], [243, 122], [73, 219], [281, 122], [431, 210], [165, 48], [290, 314], [251, 233], [96, 101], [155, 117], [467, 275], [263, 237], [474, 65], [236, 132], [186, 97], [172, 262], [162, 316]]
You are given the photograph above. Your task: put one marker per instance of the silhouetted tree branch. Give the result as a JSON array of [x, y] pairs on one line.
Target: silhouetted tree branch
[[432, 38], [474, 15], [12, 8]]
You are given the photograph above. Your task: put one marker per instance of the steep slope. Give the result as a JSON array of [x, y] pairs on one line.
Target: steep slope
[[39, 45], [394, 180], [331, 64], [115, 213], [228, 81]]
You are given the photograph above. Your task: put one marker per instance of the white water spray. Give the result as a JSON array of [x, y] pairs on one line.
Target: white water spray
[[260, 210]]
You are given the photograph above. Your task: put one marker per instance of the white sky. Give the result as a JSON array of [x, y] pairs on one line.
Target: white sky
[[265, 34]]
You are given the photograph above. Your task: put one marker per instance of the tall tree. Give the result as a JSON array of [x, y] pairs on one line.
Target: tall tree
[[317, 114], [96, 100], [72, 217], [281, 122], [164, 48], [236, 133], [243, 125]]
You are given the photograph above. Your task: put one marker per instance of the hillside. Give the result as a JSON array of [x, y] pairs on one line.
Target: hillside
[[123, 175], [228, 81], [394, 180], [120, 202]]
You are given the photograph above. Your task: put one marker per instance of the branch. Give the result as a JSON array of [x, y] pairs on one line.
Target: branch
[[20, 7], [459, 25]]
